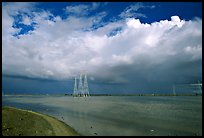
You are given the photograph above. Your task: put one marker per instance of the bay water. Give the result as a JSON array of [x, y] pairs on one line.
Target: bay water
[[119, 115]]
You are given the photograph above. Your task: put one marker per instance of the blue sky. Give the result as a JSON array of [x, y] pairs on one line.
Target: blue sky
[[187, 11], [125, 47]]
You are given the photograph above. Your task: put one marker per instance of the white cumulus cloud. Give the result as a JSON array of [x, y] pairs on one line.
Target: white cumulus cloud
[[61, 48]]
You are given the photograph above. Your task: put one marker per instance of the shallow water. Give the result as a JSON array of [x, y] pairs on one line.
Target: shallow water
[[120, 115]]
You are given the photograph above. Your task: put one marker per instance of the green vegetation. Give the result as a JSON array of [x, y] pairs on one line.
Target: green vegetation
[[16, 122]]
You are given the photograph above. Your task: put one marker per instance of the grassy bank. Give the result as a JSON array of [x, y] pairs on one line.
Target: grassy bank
[[17, 122]]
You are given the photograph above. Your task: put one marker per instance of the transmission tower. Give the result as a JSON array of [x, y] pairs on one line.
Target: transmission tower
[[80, 87], [200, 86], [86, 88], [75, 87]]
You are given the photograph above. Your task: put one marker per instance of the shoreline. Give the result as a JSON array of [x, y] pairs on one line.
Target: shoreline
[[59, 127], [70, 95]]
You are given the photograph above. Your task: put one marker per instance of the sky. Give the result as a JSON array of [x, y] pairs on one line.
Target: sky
[[124, 47]]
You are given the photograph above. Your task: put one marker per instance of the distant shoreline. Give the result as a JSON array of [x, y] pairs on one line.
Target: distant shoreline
[[153, 94], [59, 128]]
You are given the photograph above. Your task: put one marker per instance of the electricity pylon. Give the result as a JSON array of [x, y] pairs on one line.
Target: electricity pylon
[[75, 87], [80, 87], [86, 88]]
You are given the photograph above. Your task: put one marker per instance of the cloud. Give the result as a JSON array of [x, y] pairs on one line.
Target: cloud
[[58, 49], [82, 9], [26, 20], [132, 11], [78, 10], [13, 8]]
